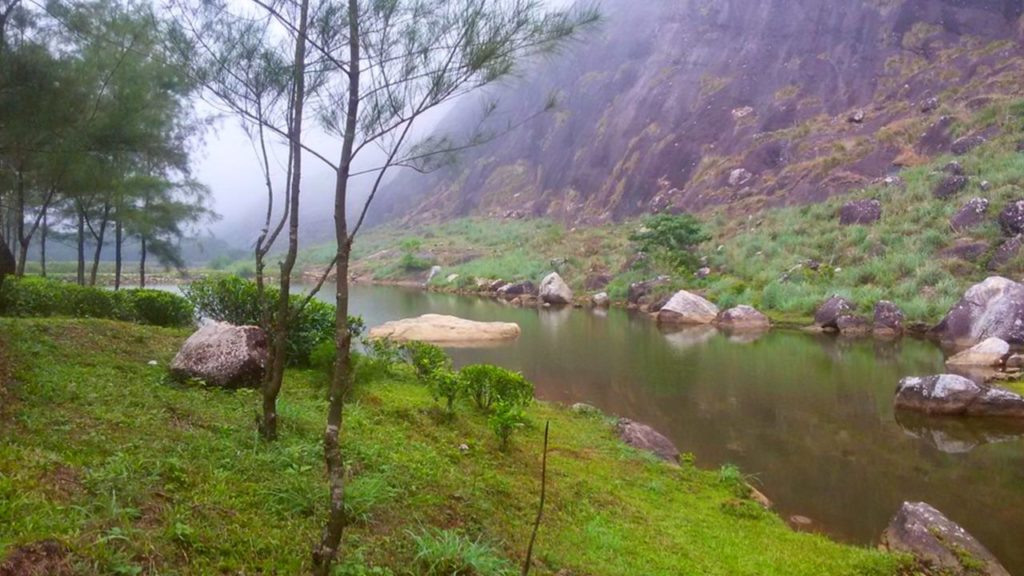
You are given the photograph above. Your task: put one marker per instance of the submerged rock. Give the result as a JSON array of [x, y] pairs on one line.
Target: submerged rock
[[989, 353], [952, 395], [687, 308], [438, 329], [643, 437], [939, 543], [554, 290], [853, 325], [225, 355], [743, 318], [993, 308]]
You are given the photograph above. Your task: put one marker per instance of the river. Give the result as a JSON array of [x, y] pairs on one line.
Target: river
[[810, 417]]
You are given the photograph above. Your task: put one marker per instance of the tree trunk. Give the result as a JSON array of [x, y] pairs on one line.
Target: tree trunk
[[7, 263], [325, 553], [42, 242], [98, 252], [81, 247], [142, 264], [275, 373], [19, 214], [118, 242]]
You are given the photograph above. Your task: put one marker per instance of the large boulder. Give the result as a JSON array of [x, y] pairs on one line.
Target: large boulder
[[687, 308], [989, 353], [643, 437], [445, 330], [937, 542], [860, 212], [889, 319], [829, 313], [952, 395], [554, 290], [993, 308], [974, 213], [222, 354], [1012, 218], [743, 318]]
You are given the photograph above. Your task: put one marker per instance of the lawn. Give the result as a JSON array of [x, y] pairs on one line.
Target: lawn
[[135, 474]]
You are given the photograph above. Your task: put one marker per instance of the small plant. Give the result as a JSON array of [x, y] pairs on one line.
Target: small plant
[[448, 553], [427, 359], [382, 356], [489, 385], [506, 419], [447, 385]]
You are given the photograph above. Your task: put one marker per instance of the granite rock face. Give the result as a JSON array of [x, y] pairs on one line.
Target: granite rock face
[[939, 543], [225, 355]]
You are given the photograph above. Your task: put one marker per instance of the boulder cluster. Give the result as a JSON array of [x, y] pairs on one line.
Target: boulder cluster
[[837, 314]]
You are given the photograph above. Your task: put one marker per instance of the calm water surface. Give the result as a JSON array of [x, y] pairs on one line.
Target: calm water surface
[[809, 416]]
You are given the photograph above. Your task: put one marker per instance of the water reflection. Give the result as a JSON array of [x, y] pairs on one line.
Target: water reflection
[[959, 435], [810, 415]]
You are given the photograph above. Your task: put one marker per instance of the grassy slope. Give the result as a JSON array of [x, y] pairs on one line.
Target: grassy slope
[[101, 452], [896, 259]]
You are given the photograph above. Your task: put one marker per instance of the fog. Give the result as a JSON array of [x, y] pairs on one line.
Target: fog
[[229, 165]]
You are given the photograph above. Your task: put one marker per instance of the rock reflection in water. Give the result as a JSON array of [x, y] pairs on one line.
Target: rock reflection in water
[[689, 337], [954, 435]]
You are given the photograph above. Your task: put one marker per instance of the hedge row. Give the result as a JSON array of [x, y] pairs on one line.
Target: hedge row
[[42, 297]]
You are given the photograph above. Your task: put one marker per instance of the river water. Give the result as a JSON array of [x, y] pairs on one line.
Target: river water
[[809, 416]]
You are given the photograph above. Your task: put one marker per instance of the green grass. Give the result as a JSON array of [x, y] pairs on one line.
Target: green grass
[[756, 258], [136, 474]]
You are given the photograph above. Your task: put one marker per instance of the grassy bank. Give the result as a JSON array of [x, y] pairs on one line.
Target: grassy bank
[[134, 474], [757, 257]]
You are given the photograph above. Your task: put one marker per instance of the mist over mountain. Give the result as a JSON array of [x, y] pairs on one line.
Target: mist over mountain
[[678, 105]]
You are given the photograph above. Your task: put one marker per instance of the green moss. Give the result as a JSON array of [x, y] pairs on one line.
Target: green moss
[[134, 473]]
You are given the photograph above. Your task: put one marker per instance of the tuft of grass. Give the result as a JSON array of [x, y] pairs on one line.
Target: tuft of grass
[[446, 552]]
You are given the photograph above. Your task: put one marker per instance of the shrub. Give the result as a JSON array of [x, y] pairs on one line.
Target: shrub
[[237, 301], [506, 419], [382, 356], [34, 296], [410, 261], [446, 553], [673, 238], [490, 385], [161, 308], [445, 384], [427, 359]]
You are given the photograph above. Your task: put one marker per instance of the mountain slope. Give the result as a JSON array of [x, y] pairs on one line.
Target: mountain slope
[[681, 105]]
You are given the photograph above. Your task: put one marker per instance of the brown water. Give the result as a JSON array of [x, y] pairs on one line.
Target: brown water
[[810, 416]]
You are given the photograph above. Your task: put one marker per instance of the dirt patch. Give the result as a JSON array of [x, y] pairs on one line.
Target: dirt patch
[[62, 482], [44, 558]]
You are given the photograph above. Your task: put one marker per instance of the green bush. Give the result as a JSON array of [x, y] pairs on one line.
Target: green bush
[[237, 301], [161, 308], [674, 238], [35, 296], [427, 359], [447, 385], [489, 385]]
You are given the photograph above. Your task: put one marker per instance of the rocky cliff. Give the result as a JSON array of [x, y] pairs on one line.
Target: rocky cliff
[[681, 105]]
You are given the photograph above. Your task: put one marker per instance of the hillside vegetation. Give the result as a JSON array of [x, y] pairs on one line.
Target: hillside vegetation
[[129, 473], [764, 258]]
